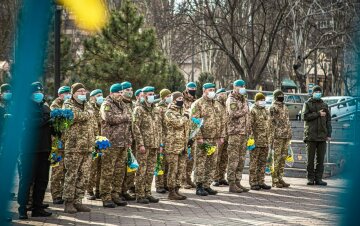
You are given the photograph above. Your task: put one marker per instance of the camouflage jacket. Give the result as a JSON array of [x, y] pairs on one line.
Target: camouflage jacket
[[224, 117], [147, 126], [210, 111], [280, 126], [162, 107], [259, 123], [188, 100], [80, 135], [96, 119], [177, 130], [116, 123], [237, 109], [57, 103], [316, 128]]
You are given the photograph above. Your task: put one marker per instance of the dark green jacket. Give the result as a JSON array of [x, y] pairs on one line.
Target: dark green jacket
[[316, 128]]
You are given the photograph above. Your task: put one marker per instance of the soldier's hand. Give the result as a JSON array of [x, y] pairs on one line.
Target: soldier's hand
[[161, 150], [142, 149], [322, 113], [200, 141], [221, 141]]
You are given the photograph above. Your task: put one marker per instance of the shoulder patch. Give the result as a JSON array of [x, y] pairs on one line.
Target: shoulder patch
[[233, 106], [107, 108]]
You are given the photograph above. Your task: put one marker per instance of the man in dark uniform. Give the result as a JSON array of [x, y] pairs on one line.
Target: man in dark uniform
[[35, 149], [317, 130]]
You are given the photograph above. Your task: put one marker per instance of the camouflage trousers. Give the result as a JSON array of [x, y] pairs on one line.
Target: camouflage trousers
[[95, 175], [204, 165], [222, 161], [189, 165], [280, 153], [257, 166], [77, 172], [176, 170], [236, 157], [161, 181], [145, 173], [129, 181], [57, 179], [113, 168]]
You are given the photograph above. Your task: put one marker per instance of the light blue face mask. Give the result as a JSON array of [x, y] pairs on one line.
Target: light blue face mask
[[38, 97], [317, 96], [81, 98], [99, 100], [151, 99], [168, 100], [67, 97], [242, 91], [7, 96], [142, 99]]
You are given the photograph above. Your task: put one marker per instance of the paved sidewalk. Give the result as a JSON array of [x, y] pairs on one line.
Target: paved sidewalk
[[297, 205]]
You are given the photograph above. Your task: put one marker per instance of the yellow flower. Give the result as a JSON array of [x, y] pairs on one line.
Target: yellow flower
[[211, 150], [290, 158], [129, 170], [160, 173], [250, 142]]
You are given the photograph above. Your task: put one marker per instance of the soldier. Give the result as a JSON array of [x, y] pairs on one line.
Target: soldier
[[96, 99], [58, 173], [129, 183], [177, 124], [147, 134], [138, 96], [6, 96], [317, 130], [238, 127], [35, 150], [189, 98], [259, 121], [116, 126], [166, 99], [79, 141], [211, 133], [222, 158], [280, 136]]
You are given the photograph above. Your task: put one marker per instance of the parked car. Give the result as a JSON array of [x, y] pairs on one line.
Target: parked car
[[294, 109], [343, 108]]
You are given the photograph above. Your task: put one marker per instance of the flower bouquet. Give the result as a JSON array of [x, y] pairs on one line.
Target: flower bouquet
[[210, 149], [132, 164], [101, 144], [197, 123], [269, 163], [250, 144], [159, 165], [289, 161]]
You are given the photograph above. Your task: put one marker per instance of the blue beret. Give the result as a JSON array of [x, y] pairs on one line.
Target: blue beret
[[147, 89], [64, 89], [137, 92], [36, 86], [95, 92], [191, 85], [126, 85], [239, 83], [222, 90], [208, 85], [115, 88]]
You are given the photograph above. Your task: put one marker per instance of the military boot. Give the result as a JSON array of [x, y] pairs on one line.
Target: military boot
[[242, 187], [109, 204], [129, 197], [233, 188], [224, 182], [210, 191], [183, 197], [216, 183], [200, 190], [81, 208], [277, 185], [172, 195], [119, 202], [91, 196], [69, 207], [97, 194], [284, 184], [152, 199]]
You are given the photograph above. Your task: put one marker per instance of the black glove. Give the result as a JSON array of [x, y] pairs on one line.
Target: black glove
[[190, 142]]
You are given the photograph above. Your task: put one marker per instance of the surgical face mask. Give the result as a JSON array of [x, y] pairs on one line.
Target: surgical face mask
[[67, 96], [38, 97], [242, 91], [261, 103], [179, 103], [168, 100], [281, 99], [192, 92], [7, 96], [317, 96], [142, 99], [99, 100], [129, 94], [81, 98], [150, 99], [211, 95]]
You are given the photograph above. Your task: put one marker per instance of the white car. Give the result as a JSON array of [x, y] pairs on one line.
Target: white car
[[341, 109]]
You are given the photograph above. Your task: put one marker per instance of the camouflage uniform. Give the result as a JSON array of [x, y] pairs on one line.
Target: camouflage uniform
[[161, 181], [280, 136], [176, 141], [222, 158], [147, 133], [57, 173], [116, 126], [188, 100], [259, 120], [79, 140], [210, 132], [129, 181], [238, 127], [95, 169]]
